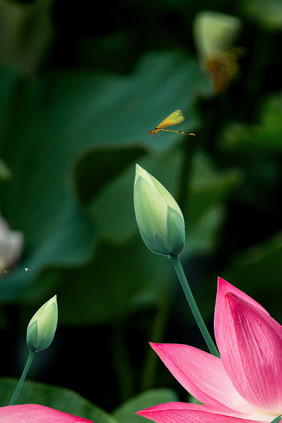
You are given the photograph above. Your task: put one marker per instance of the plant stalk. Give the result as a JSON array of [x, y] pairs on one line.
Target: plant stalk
[[23, 376], [193, 305]]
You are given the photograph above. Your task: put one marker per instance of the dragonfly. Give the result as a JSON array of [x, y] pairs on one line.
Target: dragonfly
[[173, 119]]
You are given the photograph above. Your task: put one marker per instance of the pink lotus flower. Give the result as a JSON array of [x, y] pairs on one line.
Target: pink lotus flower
[[245, 384], [31, 413]]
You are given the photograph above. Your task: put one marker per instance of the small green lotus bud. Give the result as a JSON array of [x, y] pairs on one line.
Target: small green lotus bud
[[158, 216], [42, 327]]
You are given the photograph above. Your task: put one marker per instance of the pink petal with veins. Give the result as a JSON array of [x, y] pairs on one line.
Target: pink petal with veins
[[223, 287], [250, 346], [177, 412], [203, 375], [34, 413]]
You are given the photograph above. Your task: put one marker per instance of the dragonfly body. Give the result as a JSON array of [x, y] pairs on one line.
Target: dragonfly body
[[173, 119]]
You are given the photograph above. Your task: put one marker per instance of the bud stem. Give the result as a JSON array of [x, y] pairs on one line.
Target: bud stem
[[23, 376], [193, 305]]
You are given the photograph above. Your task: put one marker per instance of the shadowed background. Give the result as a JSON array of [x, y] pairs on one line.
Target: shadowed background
[[80, 88]]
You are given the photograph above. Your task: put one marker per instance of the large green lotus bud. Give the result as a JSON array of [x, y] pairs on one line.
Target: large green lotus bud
[[43, 325], [158, 216]]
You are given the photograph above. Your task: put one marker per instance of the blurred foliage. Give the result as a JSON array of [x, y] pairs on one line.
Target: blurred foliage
[[55, 397], [4, 171], [70, 402], [80, 88], [125, 413]]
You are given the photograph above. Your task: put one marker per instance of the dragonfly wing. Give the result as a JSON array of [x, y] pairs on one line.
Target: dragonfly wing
[[173, 119]]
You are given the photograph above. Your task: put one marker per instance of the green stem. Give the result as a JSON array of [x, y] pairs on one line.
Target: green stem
[[193, 305], [23, 376]]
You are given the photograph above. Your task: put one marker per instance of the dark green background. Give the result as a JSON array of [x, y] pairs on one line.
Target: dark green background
[[80, 87]]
